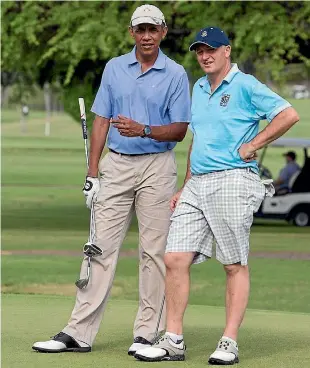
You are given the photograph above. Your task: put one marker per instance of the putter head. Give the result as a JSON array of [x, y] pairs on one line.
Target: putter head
[[91, 250], [81, 283]]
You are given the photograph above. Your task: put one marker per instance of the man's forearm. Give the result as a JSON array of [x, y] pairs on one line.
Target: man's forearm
[[97, 142], [278, 126], [188, 170], [169, 133], [279, 181]]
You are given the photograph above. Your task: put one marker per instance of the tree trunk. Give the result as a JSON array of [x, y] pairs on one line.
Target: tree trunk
[[48, 106], [4, 95]]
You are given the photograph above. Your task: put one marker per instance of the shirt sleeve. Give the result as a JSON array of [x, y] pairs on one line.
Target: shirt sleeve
[[193, 106], [266, 103], [180, 104], [102, 105]]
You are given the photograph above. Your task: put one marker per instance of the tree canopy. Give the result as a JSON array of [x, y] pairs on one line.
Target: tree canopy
[[69, 42]]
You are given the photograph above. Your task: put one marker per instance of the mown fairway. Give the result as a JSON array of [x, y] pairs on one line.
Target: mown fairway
[[45, 224], [268, 339]]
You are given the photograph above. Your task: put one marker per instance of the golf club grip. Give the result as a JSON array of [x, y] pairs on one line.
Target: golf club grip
[[83, 117]]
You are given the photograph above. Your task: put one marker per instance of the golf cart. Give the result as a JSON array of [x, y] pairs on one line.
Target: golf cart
[[292, 204]]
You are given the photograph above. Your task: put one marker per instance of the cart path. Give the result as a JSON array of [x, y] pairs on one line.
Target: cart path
[[133, 253]]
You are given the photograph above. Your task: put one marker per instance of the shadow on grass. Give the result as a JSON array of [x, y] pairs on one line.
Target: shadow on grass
[[71, 217], [201, 342], [253, 343], [60, 217]]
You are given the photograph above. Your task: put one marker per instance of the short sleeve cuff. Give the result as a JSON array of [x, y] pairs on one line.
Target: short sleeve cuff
[[102, 113], [277, 111], [180, 120]]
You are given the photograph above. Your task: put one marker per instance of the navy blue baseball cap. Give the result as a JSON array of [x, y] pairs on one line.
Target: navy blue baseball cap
[[210, 36]]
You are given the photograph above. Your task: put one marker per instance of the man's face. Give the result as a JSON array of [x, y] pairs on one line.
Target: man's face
[[212, 60], [288, 159], [147, 37]]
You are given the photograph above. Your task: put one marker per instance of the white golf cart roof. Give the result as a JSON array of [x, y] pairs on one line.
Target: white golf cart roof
[[291, 142]]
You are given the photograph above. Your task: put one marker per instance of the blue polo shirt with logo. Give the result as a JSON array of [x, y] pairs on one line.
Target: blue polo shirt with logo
[[228, 117], [157, 97]]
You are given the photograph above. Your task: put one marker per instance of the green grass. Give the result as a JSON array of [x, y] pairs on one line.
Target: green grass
[[285, 289], [267, 339], [43, 209]]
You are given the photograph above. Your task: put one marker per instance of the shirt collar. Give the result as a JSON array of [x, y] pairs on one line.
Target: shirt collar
[[160, 62], [233, 71], [229, 77]]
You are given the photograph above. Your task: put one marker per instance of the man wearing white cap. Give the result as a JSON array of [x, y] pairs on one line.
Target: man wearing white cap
[[143, 109]]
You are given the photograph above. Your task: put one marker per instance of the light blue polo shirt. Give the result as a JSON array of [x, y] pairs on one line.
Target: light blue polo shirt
[[222, 121], [158, 97]]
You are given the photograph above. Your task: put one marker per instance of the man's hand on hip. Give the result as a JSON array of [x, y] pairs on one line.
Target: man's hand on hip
[[247, 152], [90, 190]]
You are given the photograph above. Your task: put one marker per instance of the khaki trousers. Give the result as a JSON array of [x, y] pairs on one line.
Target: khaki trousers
[[145, 184]]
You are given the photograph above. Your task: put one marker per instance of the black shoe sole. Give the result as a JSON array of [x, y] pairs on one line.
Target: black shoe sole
[[213, 361], [70, 350], [175, 358], [131, 353]]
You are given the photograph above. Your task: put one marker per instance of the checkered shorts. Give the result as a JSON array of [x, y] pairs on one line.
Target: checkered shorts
[[216, 207]]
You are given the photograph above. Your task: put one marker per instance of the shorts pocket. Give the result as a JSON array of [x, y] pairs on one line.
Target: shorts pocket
[[256, 189]]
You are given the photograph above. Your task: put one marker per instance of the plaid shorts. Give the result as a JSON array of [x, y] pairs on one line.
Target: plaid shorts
[[216, 207]]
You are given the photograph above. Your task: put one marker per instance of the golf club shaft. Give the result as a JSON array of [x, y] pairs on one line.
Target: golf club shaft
[[92, 229], [83, 282], [159, 317], [85, 137]]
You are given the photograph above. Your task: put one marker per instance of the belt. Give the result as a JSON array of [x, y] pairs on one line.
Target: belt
[[247, 169], [133, 154]]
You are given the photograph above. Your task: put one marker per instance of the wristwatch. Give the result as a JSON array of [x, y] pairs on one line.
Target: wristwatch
[[146, 131]]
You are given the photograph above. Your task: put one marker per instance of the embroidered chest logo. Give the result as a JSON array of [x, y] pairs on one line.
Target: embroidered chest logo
[[224, 100]]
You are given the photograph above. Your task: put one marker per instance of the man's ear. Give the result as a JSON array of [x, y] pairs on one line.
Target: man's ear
[[165, 30], [228, 51], [130, 30]]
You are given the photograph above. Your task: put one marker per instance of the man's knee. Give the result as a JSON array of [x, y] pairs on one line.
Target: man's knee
[[233, 269], [178, 260]]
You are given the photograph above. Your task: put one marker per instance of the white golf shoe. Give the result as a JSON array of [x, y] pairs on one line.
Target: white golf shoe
[[61, 343], [226, 352], [138, 344], [162, 350]]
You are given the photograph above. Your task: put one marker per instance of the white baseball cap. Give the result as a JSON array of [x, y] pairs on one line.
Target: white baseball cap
[[147, 14]]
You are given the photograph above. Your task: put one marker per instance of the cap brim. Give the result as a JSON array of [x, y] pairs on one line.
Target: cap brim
[[147, 20], [194, 45]]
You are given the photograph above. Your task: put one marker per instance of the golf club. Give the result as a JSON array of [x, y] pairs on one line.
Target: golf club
[[90, 249], [158, 320]]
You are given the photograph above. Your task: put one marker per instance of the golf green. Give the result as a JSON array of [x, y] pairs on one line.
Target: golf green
[[267, 339]]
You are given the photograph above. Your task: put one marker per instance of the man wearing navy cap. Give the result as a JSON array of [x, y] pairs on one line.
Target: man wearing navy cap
[[291, 167], [221, 192], [142, 110]]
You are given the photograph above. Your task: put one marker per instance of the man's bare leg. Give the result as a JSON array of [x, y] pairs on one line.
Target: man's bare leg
[[171, 345], [237, 295], [177, 288]]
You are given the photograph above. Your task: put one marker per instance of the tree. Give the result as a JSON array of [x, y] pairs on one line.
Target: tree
[[71, 41], [7, 80]]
